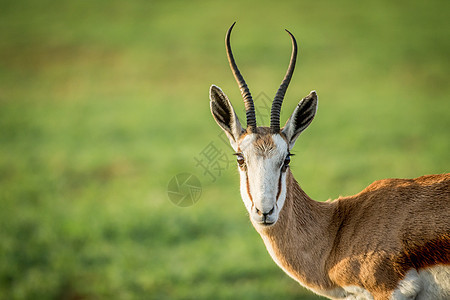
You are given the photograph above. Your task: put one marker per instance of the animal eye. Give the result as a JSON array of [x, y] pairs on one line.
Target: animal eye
[[240, 159], [287, 160]]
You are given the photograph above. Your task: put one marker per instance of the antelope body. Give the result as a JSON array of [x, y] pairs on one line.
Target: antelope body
[[390, 241]]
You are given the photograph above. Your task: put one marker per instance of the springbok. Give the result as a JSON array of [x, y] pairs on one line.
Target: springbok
[[390, 241]]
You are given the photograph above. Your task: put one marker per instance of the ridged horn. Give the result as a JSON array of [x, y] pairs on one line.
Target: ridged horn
[[278, 100], [245, 92]]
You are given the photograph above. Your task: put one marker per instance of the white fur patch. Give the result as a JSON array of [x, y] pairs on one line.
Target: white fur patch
[[430, 283]]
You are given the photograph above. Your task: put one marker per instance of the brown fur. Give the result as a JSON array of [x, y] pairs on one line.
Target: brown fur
[[263, 143], [369, 240]]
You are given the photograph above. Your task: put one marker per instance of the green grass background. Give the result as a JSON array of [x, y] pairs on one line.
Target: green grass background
[[103, 102]]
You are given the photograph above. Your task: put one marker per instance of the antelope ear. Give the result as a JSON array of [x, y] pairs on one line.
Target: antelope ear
[[301, 118], [224, 114]]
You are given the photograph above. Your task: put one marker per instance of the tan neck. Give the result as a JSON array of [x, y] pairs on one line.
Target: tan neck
[[301, 240]]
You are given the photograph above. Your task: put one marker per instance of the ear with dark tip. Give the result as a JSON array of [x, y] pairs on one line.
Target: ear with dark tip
[[224, 114], [301, 118]]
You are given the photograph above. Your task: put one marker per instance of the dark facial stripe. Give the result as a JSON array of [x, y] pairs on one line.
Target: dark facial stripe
[[248, 189], [279, 186]]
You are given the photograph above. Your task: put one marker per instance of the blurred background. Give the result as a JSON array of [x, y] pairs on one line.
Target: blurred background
[[103, 103]]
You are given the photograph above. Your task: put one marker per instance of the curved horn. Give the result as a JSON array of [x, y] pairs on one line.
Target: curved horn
[[245, 92], [278, 100]]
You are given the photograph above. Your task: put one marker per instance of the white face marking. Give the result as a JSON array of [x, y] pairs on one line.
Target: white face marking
[[260, 179]]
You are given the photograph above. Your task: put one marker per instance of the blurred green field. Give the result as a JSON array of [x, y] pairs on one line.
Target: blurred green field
[[103, 102]]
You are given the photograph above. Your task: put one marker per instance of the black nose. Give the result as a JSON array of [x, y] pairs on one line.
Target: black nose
[[269, 213], [264, 214]]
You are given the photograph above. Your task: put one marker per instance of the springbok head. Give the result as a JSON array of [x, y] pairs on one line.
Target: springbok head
[[263, 153]]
